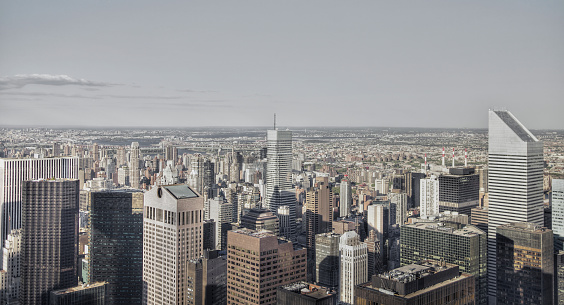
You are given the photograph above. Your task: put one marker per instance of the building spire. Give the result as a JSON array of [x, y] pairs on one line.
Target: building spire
[[274, 121]]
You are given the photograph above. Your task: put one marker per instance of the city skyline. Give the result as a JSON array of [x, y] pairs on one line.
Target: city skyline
[[433, 64]]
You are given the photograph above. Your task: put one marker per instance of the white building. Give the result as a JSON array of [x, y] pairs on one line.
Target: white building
[[134, 175], [381, 186], [279, 189], [13, 172], [10, 273], [429, 196], [345, 197], [221, 212], [173, 219], [398, 203], [515, 181], [558, 212], [353, 265]]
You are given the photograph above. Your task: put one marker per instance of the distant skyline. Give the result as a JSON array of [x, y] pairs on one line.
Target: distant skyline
[[315, 63]]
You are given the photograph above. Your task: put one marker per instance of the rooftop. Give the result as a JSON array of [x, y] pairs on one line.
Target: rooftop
[[181, 191], [468, 230], [516, 126], [78, 288]]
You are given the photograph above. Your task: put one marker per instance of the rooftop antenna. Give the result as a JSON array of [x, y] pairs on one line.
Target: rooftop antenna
[[275, 121]]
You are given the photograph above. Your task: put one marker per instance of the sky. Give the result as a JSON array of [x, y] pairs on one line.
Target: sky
[[313, 63]]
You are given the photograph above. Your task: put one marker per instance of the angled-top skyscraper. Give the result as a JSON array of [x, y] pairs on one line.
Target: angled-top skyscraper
[[515, 181], [279, 191]]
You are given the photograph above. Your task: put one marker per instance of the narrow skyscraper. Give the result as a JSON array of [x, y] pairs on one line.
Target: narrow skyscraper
[[515, 180], [134, 165], [279, 191], [354, 265], [345, 197], [558, 213]]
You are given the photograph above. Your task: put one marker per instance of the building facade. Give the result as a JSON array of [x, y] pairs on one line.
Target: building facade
[[353, 266], [327, 259], [49, 246], [459, 191], [429, 196], [345, 198], [558, 213], [258, 262], [515, 180], [172, 236]]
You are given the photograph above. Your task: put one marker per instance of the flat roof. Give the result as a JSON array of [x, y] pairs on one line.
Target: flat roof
[[181, 191]]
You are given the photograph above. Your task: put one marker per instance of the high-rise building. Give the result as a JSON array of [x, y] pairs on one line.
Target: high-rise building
[[427, 282], [327, 259], [12, 174], [207, 279], [459, 191], [345, 197], [10, 273], [115, 244], [220, 211], [413, 186], [92, 294], [279, 191], [398, 203], [375, 259], [515, 180], [559, 278], [172, 236], [353, 266], [525, 264], [319, 213], [49, 246], [465, 246], [260, 219], [134, 156], [558, 213], [429, 196], [258, 262]]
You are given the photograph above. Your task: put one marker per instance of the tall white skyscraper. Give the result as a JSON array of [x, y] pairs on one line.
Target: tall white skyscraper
[[134, 165], [279, 189], [354, 265], [515, 181], [172, 236], [13, 172], [345, 197], [429, 196], [558, 213]]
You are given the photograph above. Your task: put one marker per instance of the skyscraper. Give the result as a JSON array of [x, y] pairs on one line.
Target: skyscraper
[[354, 265], [525, 264], [258, 262], [49, 238], [115, 246], [327, 259], [172, 235], [207, 279], [558, 213], [515, 180], [345, 197], [429, 196], [12, 174], [459, 191], [134, 165], [279, 189], [10, 273], [319, 213]]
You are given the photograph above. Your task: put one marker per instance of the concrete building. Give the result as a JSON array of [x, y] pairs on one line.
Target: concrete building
[[260, 219], [10, 273], [134, 155], [303, 293], [376, 263], [50, 217], [207, 279], [172, 236], [427, 282], [515, 180], [258, 262], [558, 213], [525, 268], [459, 191], [429, 196], [559, 278], [345, 197], [221, 212], [398, 203], [452, 243], [318, 216], [12, 174], [353, 266], [327, 259], [115, 244], [279, 191], [92, 294]]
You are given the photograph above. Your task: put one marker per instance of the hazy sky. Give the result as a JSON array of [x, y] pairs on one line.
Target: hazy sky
[[314, 63]]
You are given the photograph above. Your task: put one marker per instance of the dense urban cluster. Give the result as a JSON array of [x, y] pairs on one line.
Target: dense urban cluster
[[301, 216]]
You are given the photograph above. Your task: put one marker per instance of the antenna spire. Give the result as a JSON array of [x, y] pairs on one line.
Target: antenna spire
[[274, 121]]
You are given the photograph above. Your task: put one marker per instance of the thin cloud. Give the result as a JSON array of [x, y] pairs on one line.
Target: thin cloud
[[23, 94], [21, 80]]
